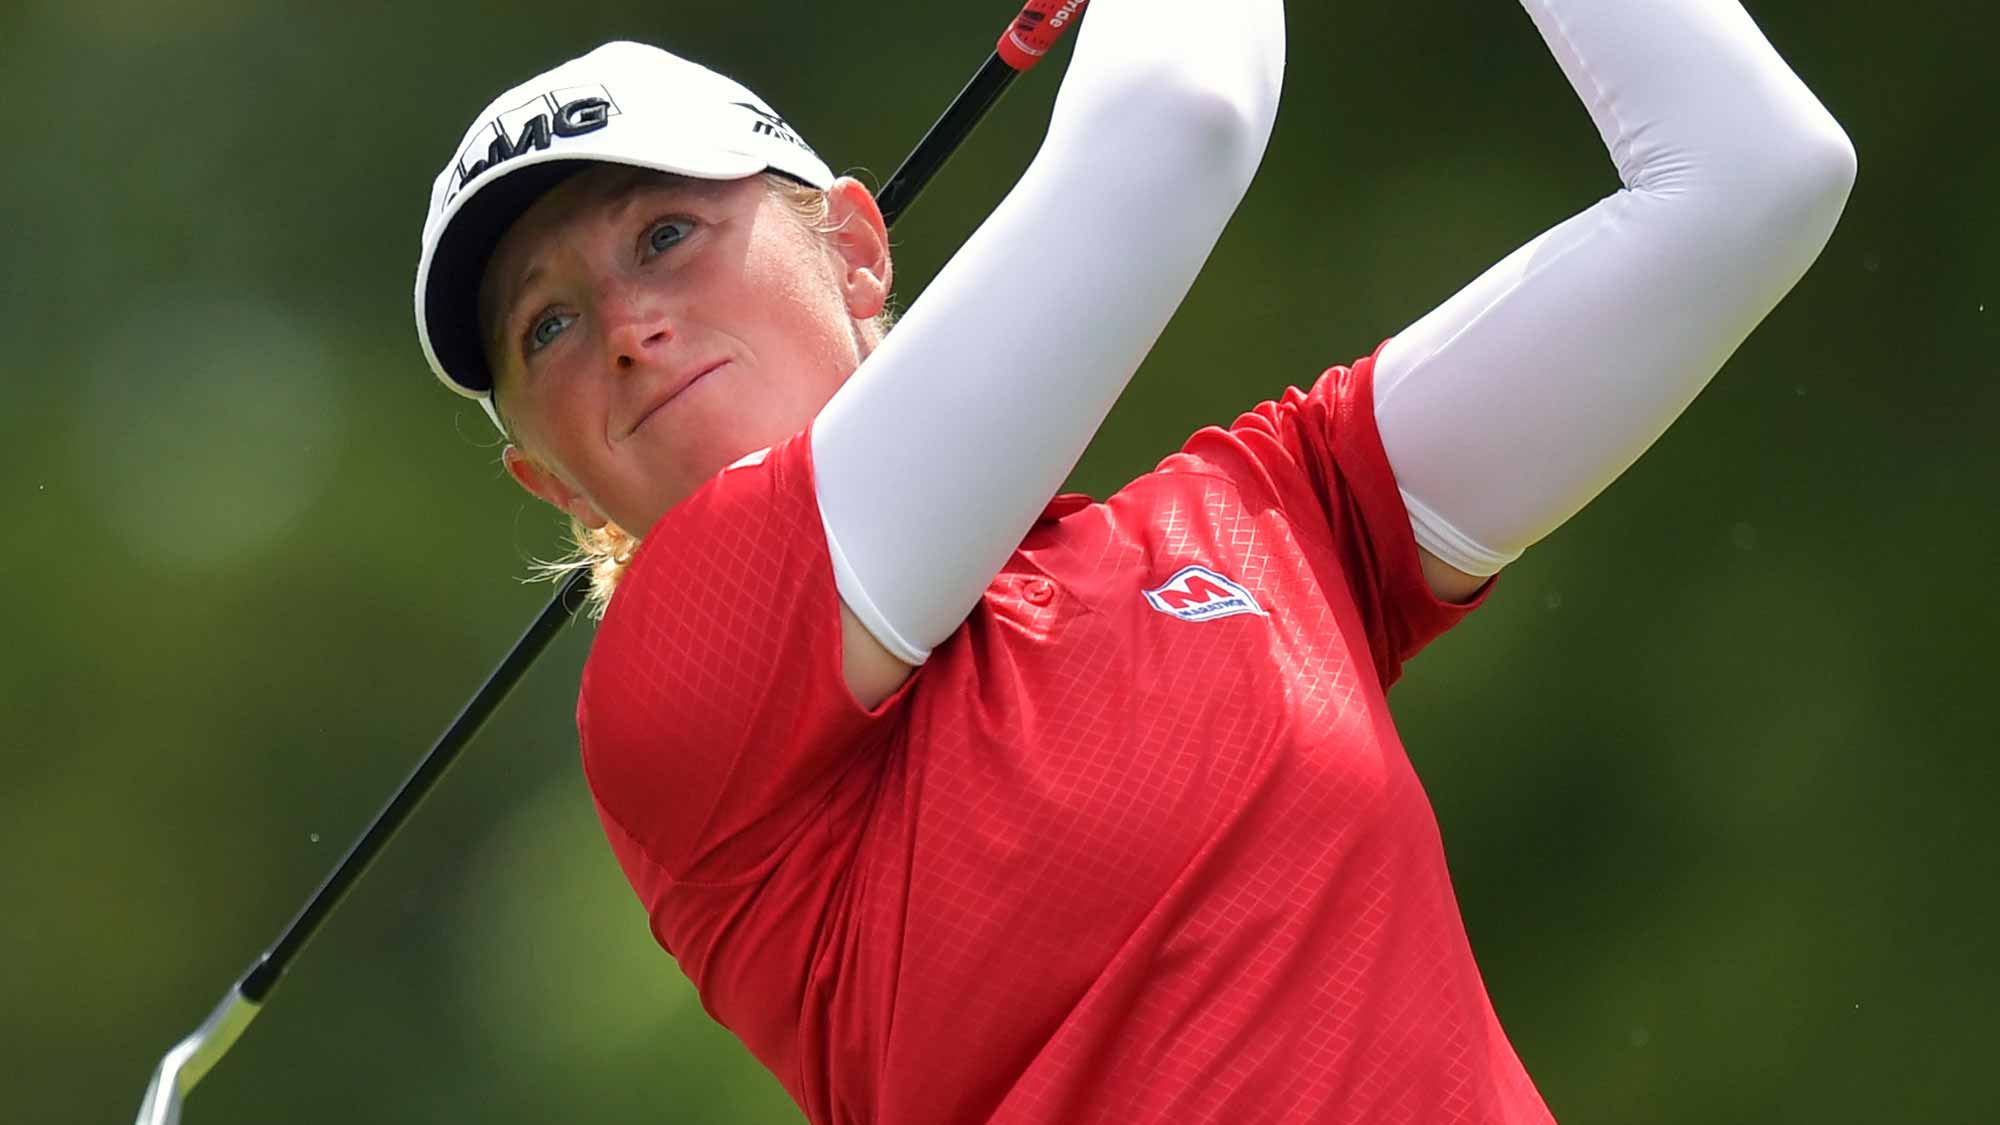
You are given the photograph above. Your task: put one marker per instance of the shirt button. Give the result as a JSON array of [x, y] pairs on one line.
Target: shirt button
[[1041, 591]]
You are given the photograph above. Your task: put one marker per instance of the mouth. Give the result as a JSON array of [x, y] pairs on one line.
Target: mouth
[[651, 411]]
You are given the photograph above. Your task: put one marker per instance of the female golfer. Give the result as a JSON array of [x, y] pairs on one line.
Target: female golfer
[[959, 803]]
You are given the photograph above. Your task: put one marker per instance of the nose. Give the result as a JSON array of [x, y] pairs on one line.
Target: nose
[[636, 327]]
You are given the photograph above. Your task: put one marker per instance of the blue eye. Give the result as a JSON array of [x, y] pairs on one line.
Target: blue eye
[[544, 331], [667, 234]]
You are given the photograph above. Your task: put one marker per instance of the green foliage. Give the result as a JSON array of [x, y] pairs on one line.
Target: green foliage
[[1711, 768]]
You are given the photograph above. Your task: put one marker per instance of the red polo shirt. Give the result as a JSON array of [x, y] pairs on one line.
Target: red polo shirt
[[1138, 844]]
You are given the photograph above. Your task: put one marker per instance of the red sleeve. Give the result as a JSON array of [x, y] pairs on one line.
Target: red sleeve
[[713, 714], [1318, 455]]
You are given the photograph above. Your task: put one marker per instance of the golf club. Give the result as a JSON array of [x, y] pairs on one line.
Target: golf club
[[1027, 39]]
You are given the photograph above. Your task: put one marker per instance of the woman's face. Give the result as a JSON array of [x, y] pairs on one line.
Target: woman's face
[[645, 331]]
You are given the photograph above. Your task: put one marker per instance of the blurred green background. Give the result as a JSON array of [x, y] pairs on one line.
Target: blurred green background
[[1714, 769]]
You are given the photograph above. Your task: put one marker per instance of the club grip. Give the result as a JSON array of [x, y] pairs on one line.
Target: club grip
[[1036, 30]]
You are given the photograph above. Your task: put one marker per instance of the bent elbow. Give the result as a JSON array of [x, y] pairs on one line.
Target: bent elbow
[[1144, 83], [1782, 200], [1223, 130], [1212, 122], [1811, 191], [1820, 170], [1196, 130]]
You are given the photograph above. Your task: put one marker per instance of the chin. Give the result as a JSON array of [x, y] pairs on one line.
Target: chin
[[689, 455], [681, 470]]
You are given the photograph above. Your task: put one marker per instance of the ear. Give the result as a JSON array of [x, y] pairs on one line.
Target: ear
[[861, 240], [543, 483]]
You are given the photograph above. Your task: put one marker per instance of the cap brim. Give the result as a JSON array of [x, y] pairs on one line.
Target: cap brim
[[451, 288]]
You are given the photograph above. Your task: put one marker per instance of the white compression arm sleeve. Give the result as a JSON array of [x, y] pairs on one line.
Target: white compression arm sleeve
[[937, 456], [1522, 397]]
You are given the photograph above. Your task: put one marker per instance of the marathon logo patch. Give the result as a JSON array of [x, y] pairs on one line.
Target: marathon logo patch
[[531, 126], [1196, 593]]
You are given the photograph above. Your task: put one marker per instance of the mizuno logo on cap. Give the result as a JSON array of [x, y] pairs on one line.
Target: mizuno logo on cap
[[1196, 593], [771, 125], [557, 114]]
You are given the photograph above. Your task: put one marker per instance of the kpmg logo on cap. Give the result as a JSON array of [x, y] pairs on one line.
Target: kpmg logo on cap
[[570, 112], [1196, 593]]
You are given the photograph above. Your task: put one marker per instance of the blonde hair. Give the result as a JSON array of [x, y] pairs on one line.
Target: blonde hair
[[604, 552]]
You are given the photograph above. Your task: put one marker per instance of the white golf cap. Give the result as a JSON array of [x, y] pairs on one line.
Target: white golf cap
[[623, 103]]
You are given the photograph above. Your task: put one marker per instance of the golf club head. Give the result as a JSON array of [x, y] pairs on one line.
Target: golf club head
[[192, 1057], [162, 1105]]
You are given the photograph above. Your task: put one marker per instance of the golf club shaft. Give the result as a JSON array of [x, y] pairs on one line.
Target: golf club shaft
[[979, 95], [257, 983], [1033, 32], [1025, 43]]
